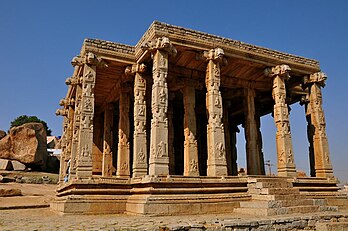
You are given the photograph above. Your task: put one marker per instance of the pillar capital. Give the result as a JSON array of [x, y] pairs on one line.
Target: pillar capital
[[280, 70], [89, 59], [317, 78], [135, 68], [216, 55], [62, 112], [66, 102], [73, 80], [162, 44]]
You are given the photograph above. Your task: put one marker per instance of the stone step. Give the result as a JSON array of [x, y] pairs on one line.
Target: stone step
[[275, 203], [272, 184], [273, 191], [277, 211], [278, 197]]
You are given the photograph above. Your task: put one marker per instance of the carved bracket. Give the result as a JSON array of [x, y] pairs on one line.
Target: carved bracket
[[62, 112], [318, 78], [280, 70], [89, 59], [73, 80], [162, 43]]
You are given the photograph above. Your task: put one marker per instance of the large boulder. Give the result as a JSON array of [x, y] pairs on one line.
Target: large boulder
[[26, 144], [2, 134]]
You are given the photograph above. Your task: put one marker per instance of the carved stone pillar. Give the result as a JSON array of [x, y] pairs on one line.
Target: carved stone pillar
[[254, 161], [190, 143], [171, 148], [140, 164], [75, 82], [63, 156], [323, 166], [216, 163], [234, 166], [161, 48], [123, 151], [86, 112], [68, 113], [108, 142], [228, 137], [286, 165], [310, 134]]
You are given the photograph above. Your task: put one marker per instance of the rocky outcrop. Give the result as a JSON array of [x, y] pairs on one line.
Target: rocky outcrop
[[26, 144], [2, 134]]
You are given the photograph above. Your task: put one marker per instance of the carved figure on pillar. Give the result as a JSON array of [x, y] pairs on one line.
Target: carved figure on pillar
[[190, 143], [83, 130], [123, 153], [322, 162], [160, 49], [216, 163], [140, 164], [286, 165], [108, 142]]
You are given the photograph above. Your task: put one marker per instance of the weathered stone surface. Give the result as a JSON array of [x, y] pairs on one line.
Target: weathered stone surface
[[18, 166], [5, 164], [10, 192], [26, 143], [2, 134]]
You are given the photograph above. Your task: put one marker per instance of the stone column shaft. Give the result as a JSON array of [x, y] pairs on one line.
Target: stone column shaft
[[254, 162], [286, 165], [108, 141], [140, 164], [323, 166], [216, 163], [123, 153], [63, 157], [76, 132], [171, 148], [161, 48], [85, 142], [190, 143]]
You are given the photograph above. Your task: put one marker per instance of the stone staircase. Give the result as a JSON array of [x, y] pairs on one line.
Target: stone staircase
[[276, 196]]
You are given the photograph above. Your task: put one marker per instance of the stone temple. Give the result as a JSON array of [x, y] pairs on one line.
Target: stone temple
[[151, 128]]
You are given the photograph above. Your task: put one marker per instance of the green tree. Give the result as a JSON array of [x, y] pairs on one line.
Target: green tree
[[20, 120]]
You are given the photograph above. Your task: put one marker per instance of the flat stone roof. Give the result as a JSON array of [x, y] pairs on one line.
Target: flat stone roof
[[200, 40]]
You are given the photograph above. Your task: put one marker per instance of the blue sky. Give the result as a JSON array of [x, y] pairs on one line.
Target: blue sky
[[39, 38]]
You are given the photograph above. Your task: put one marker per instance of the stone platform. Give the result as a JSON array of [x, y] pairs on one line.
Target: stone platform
[[177, 195], [152, 195]]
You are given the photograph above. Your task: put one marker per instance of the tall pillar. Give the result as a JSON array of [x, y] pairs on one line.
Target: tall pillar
[[76, 83], [286, 165], [228, 138], [234, 166], [161, 48], [310, 133], [171, 148], [254, 161], [66, 139], [123, 151], [108, 140], [216, 163], [86, 113], [140, 164], [260, 144], [323, 166], [190, 143], [63, 156]]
